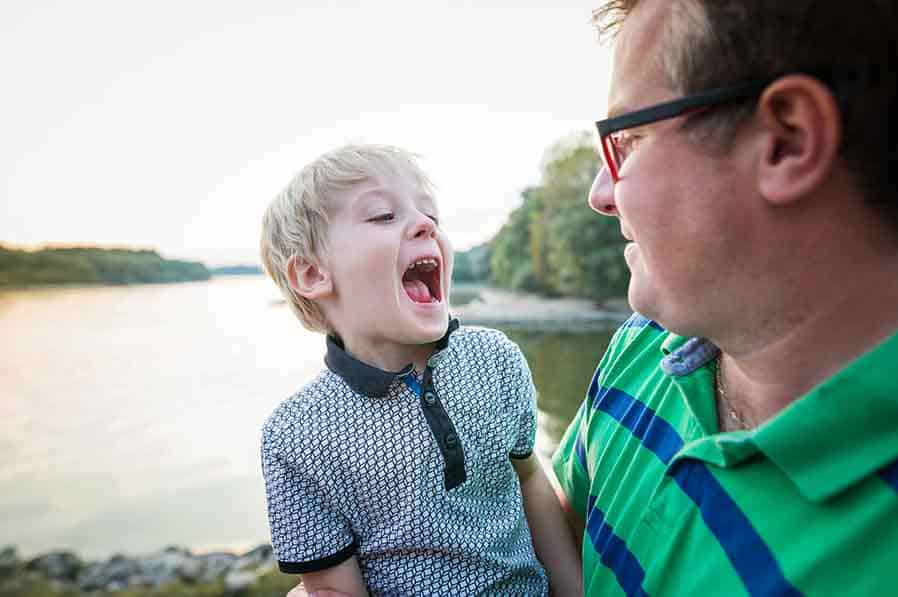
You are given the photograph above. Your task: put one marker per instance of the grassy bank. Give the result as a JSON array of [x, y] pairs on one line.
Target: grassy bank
[[271, 584]]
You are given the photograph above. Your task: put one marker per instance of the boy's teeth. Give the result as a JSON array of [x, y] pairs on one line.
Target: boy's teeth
[[425, 264]]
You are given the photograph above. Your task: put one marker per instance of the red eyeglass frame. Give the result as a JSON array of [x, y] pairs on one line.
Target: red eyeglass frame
[[670, 109]]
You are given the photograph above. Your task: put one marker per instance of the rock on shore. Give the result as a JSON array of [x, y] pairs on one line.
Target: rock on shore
[[65, 571]]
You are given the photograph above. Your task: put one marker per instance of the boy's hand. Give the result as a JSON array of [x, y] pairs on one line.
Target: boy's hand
[[300, 591], [342, 580]]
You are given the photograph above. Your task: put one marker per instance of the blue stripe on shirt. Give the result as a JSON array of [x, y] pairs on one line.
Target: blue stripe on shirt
[[890, 475], [614, 552], [581, 454], [593, 388], [750, 556], [638, 321], [655, 433]]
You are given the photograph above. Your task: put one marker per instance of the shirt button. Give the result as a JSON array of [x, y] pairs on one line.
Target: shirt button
[[451, 441], [430, 398]]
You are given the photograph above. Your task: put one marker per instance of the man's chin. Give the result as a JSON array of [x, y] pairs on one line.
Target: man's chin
[[640, 302], [679, 319]]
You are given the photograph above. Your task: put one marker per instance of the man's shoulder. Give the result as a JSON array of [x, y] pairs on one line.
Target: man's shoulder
[[637, 342]]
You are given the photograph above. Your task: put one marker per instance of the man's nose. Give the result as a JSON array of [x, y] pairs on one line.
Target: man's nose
[[601, 194]]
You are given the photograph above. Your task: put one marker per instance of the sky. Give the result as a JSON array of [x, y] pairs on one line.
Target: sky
[[171, 124]]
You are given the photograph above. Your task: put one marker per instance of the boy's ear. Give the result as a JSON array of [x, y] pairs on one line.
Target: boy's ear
[[308, 279]]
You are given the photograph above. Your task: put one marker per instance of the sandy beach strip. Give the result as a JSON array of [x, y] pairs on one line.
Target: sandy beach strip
[[503, 308]]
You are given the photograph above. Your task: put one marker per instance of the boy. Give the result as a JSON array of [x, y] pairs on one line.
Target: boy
[[391, 472]]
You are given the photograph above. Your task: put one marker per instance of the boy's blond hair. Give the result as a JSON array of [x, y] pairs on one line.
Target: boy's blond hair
[[295, 223]]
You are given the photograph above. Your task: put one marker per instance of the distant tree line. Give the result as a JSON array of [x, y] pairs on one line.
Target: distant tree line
[[82, 265], [553, 244], [236, 270], [473, 265]]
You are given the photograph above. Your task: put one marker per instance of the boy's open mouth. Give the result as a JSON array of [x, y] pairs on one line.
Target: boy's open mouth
[[422, 281]]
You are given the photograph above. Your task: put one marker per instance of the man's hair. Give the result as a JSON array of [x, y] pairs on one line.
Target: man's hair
[[715, 43], [296, 221]]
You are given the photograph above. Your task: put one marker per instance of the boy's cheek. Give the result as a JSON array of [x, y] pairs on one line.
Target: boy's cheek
[[448, 259], [448, 264]]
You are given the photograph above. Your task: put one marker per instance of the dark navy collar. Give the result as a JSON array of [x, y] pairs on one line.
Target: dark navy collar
[[366, 379]]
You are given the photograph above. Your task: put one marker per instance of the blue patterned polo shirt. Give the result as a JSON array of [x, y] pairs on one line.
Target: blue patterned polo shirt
[[409, 472]]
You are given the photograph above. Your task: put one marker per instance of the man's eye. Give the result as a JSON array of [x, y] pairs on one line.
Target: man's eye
[[387, 217], [625, 143], [435, 219]]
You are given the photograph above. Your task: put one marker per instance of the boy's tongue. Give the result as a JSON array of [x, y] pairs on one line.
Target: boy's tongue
[[417, 291]]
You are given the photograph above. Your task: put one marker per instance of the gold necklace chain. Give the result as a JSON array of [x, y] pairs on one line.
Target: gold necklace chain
[[721, 392]]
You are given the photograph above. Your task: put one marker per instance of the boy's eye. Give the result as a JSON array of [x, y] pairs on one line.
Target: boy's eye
[[385, 217], [435, 219]]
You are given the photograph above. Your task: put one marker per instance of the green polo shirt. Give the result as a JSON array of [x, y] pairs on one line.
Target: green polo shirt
[[806, 503]]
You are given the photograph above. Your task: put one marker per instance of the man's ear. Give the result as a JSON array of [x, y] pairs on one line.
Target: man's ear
[[308, 279], [802, 132]]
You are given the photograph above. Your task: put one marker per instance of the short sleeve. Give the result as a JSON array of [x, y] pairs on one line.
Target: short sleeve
[[569, 463], [307, 533], [523, 394]]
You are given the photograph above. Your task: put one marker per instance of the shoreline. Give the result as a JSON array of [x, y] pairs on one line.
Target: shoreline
[[496, 307], [95, 285]]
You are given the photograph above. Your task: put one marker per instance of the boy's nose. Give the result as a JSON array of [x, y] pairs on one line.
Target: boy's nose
[[423, 227], [601, 194]]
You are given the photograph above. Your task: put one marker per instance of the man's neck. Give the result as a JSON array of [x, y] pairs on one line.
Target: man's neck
[[770, 366]]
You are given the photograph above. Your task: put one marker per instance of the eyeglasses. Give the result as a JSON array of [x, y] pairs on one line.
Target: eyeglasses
[[616, 146]]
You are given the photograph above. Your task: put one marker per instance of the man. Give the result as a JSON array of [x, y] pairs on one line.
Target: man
[[740, 435]]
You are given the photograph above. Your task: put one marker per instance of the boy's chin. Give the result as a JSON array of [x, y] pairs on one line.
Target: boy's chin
[[427, 332]]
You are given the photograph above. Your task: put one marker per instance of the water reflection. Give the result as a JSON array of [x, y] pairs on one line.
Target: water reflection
[[562, 365], [130, 416]]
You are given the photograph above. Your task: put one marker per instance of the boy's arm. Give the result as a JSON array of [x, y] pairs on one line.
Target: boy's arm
[[575, 522], [552, 538], [342, 580], [307, 530]]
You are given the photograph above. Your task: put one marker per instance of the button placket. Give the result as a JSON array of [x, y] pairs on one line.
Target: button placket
[[444, 433]]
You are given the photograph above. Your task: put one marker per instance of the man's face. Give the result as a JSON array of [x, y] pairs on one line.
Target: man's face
[[391, 266], [675, 203]]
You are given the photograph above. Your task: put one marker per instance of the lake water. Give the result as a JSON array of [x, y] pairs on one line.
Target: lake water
[[130, 416]]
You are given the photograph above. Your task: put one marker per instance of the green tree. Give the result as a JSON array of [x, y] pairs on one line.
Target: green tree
[[473, 265], [512, 261], [553, 243], [585, 250]]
